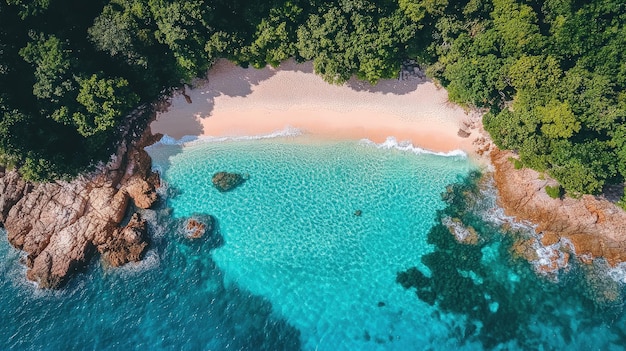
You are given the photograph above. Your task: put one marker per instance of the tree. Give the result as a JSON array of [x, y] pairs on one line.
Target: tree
[[324, 39], [105, 102], [583, 167], [119, 32], [416, 10], [558, 120], [53, 67], [276, 36], [355, 39], [184, 27], [517, 26], [30, 7]]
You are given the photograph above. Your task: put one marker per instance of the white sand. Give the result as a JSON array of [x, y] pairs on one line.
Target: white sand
[[240, 102]]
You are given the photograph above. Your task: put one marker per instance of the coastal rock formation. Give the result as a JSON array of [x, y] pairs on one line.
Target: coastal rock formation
[[225, 181], [595, 226], [61, 224], [142, 192], [12, 189], [127, 244]]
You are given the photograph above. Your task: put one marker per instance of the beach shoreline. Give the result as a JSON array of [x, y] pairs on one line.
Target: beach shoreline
[[237, 102]]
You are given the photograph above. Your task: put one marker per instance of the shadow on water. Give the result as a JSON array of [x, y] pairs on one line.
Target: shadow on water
[[240, 320], [504, 300], [176, 298]]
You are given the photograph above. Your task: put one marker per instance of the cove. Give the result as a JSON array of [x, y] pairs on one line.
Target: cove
[[291, 235], [292, 267]]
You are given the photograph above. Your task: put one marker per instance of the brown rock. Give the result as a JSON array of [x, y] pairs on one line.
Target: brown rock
[[61, 224], [595, 226], [225, 181], [524, 248], [463, 133], [550, 238], [463, 234], [128, 244], [195, 229], [12, 188], [143, 193]]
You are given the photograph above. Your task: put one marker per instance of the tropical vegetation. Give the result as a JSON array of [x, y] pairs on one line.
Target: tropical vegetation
[[551, 74]]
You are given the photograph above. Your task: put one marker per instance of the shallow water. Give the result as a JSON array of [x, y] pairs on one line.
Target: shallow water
[[292, 266]]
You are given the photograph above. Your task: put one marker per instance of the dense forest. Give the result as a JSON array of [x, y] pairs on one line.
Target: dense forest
[[550, 74]]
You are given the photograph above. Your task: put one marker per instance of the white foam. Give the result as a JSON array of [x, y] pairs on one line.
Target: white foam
[[191, 139], [491, 212], [168, 140], [618, 273], [460, 231], [150, 261], [392, 143]]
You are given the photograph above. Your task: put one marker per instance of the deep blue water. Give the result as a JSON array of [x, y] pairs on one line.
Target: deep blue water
[[291, 266]]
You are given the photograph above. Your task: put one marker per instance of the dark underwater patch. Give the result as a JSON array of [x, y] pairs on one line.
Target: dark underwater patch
[[503, 299]]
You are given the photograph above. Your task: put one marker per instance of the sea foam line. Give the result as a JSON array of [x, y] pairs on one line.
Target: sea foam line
[[191, 139], [392, 143], [618, 273]]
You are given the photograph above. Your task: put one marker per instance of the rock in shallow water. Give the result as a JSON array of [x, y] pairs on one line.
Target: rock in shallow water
[[195, 228], [225, 181]]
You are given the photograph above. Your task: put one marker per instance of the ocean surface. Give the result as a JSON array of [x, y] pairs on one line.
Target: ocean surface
[[291, 266]]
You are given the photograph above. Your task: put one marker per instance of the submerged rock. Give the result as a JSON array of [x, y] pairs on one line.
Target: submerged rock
[[225, 181], [358, 213], [196, 228], [463, 234]]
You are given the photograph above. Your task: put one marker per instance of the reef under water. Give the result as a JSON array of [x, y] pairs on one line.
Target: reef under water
[[505, 301]]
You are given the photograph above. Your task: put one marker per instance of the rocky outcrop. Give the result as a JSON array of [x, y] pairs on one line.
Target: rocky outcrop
[[61, 224], [595, 226], [127, 244], [196, 228], [12, 189], [225, 181], [141, 191]]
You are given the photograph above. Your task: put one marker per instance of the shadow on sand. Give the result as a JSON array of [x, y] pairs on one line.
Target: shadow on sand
[[228, 79]]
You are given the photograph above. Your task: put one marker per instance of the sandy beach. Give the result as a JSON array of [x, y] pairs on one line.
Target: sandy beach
[[235, 101]]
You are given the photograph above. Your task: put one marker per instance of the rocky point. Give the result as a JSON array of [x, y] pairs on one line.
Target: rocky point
[[60, 225], [595, 226]]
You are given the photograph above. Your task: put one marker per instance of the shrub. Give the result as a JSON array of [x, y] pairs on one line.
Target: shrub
[[517, 164], [555, 192]]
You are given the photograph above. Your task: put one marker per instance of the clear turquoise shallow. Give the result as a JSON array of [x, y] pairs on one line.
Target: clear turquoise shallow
[[292, 267]]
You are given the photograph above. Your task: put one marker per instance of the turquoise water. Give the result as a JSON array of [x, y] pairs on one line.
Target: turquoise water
[[292, 267]]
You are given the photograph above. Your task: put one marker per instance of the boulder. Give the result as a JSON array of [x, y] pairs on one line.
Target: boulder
[[128, 245], [225, 181], [196, 228], [142, 192], [12, 188]]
